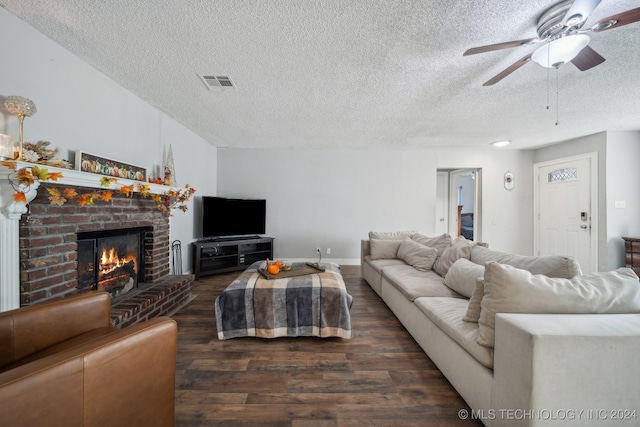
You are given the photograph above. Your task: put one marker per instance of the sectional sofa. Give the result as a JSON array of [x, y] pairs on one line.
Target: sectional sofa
[[526, 341]]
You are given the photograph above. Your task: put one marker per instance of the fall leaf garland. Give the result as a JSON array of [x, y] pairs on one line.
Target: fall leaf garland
[[166, 202]]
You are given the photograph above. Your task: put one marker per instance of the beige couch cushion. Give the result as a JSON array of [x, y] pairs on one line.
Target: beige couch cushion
[[447, 313], [372, 271], [462, 276], [512, 290], [418, 256], [415, 283], [441, 242], [549, 265], [379, 264], [384, 249], [390, 235], [473, 309], [385, 244], [460, 248]]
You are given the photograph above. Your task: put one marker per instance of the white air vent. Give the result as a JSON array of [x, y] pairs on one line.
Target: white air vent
[[218, 82]]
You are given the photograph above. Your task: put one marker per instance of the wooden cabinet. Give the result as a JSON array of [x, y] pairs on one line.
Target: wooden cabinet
[[224, 255], [632, 253]]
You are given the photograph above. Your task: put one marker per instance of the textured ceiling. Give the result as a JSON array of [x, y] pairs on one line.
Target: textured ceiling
[[348, 73]]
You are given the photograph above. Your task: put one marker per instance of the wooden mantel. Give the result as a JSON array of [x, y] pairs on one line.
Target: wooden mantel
[[12, 211]]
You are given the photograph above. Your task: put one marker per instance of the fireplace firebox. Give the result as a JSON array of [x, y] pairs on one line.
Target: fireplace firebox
[[111, 260]]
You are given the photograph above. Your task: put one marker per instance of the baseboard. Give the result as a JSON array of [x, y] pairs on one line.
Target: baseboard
[[339, 261]]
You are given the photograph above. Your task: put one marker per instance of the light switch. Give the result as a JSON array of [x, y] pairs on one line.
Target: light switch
[[620, 204]]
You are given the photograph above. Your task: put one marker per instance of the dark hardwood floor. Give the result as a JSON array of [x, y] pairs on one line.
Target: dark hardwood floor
[[379, 378]]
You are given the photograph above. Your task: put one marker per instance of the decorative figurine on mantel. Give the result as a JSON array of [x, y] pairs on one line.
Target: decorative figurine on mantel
[[169, 169]]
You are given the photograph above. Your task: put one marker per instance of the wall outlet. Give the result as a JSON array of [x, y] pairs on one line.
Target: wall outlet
[[318, 250], [328, 251]]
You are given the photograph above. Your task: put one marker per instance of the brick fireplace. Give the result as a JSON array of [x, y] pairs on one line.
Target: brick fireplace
[[49, 235], [48, 251]]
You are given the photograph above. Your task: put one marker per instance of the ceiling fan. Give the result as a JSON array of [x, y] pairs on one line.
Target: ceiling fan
[[560, 28]]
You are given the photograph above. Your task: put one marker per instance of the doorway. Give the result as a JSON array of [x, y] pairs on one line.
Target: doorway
[[442, 203], [565, 209], [458, 202]]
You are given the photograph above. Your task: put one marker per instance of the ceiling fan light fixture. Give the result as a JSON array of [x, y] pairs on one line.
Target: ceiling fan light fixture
[[560, 51]]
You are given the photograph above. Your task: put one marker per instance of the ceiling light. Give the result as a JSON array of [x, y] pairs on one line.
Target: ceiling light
[[501, 143], [560, 51]]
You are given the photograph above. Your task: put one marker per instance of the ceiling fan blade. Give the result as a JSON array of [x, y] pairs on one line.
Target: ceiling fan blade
[[587, 59], [579, 12], [498, 46], [508, 70], [624, 18]]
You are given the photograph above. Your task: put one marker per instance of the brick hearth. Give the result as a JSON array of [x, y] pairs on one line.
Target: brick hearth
[[48, 253], [163, 298]]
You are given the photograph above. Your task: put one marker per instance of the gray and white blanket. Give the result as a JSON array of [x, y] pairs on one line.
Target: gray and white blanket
[[312, 305]]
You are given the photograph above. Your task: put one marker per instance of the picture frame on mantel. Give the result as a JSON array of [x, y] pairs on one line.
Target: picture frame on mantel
[[91, 163]]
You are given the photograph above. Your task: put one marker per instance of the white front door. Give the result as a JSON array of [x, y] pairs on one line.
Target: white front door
[[566, 210]]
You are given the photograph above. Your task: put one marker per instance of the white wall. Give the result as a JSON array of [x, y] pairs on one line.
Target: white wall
[[506, 215], [623, 176], [322, 198], [81, 109]]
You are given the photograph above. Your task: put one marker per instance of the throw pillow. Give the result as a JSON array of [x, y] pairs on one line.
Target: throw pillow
[[462, 276], [549, 265], [390, 235], [384, 249], [473, 309], [460, 248], [441, 242], [511, 290], [418, 256]]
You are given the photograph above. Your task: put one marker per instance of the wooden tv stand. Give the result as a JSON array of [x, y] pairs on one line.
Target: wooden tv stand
[[229, 254]]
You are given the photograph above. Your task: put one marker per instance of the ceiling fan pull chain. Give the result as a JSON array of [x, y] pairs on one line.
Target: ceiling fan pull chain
[[557, 96], [548, 79]]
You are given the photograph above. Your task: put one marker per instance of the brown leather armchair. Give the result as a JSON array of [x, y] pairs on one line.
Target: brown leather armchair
[[63, 364]]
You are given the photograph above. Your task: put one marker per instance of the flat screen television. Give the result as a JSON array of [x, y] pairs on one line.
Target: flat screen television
[[225, 217]]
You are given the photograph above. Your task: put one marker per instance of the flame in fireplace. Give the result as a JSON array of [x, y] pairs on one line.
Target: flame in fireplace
[[110, 261]]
